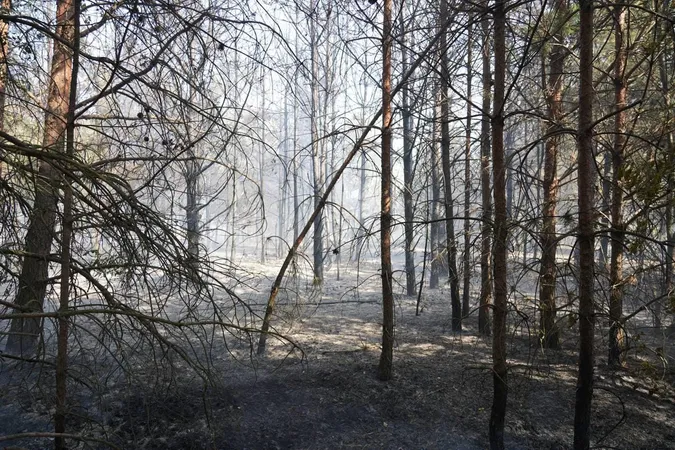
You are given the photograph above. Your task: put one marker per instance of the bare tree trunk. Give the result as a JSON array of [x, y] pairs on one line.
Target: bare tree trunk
[[34, 277], [4, 48], [410, 277], [436, 180], [451, 245], [296, 192], [66, 237], [317, 161], [584, 393], [281, 246], [192, 206], [261, 180], [385, 367], [466, 263], [664, 73], [606, 210], [616, 339], [486, 245], [361, 231], [508, 150], [548, 330], [500, 251]]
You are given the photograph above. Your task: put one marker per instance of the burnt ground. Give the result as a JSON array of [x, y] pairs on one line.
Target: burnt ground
[[328, 397]]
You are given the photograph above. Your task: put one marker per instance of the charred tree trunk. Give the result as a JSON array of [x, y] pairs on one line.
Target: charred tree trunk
[[548, 330], [34, 277], [616, 339], [410, 277], [451, 245], [436, 180], [498, 412], [385, 366], [584, 393], [486, 229], [466, 261], [4, 48]]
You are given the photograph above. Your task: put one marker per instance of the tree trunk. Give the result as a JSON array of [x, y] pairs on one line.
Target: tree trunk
[[317, 161], [4, 48], [296, 106], [192, 207], [385, 367], [548, 330], [34, 278], [408, 176], [664, 73], [66, 238], [436, 180], [281, 245], [584, 393], [500, 250], [616, 339], [261, 181], [486, 246], [451, 245], [466, 263]]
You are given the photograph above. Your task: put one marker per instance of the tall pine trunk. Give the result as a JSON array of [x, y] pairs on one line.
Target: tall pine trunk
[[548, 330], [407, 175], [436, 203], [466, 261], [451, 245], [317, 160], [666, 74], [385, 366], [34, 277], [61, 409], [584, 392], [486, 229], [4, 48], [616, 340], [499, 376]]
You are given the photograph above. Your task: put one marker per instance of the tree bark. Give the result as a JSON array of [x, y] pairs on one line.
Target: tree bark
[[548, 330], [386, 357], [665, 74], [317, 160], [410, 277], [192, 194], [466, 262], [584, 393], [451, 245], [500, 392], [616, 336], [66, 238], [486, 229], [34, 277], [4, 48]]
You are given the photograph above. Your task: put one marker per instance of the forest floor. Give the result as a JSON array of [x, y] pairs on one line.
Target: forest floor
[[328, 395]]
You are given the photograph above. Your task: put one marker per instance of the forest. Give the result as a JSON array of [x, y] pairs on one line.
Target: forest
[[332, 224]]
